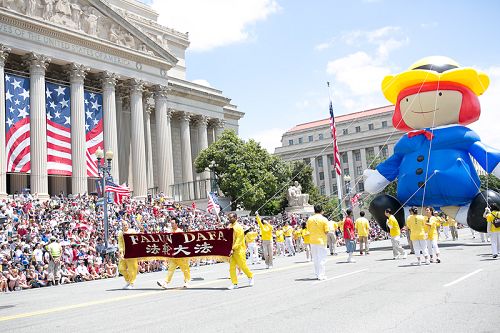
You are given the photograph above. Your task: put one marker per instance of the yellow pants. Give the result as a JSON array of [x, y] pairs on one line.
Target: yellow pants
[[183, 263], [128, 268], [238, 259]]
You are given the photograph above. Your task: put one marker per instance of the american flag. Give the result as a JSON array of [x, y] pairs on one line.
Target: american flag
[[93, 130], [120, 192], [212, 204], [355, 199], [17, 123], [336, 155], [58, 129]]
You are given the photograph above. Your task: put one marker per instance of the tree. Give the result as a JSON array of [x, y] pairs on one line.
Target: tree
[[491, 182], [245, 172]]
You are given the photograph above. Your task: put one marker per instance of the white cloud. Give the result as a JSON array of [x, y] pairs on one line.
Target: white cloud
[[269, 139], [487, 125], [359, 71], [323, 46], [429, 25], [202, 82], [214, 23]]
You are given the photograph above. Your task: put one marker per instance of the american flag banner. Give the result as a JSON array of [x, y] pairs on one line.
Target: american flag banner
[[93, 130], [355, 199], [17, 123], [120, 192], [336, 154], [58, 129], [212, 204]]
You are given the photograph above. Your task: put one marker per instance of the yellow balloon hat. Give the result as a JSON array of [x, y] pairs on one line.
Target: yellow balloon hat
[[434, 69]]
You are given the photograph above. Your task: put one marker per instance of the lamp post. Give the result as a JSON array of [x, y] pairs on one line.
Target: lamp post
[[347, 180], [104, 168], [213, 177]]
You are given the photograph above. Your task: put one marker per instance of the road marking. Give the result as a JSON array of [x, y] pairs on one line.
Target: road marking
[[463, 278], [145, 294], [341, 276]]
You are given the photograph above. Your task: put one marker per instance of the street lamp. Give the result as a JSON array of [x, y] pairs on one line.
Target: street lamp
[[347, 180], [104, 169], [213, 177]]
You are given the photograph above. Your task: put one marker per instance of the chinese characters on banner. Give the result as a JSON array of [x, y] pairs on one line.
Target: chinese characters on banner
[[209, 243]]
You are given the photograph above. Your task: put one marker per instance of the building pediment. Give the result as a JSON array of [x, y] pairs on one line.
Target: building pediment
[[94, 18]]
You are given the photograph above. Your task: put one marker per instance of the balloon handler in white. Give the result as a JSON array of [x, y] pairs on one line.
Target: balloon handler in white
[[434, 98]]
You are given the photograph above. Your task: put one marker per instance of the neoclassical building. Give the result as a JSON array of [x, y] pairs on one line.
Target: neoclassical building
[[154, 120], [361, 135]]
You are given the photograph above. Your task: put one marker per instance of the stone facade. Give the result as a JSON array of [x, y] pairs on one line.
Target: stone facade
[[361, 137], [117, 48]]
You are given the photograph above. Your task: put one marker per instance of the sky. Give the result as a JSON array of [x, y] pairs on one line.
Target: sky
[[274, 57]]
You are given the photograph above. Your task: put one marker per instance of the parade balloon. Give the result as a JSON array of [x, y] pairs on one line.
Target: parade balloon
[[378, 206], [434, 161]]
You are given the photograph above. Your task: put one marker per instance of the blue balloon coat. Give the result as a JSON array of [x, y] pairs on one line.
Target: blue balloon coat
[[440, 170]]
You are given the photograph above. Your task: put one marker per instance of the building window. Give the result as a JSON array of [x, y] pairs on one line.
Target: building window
[[357, 155], [320, 162], [370, 153], [330, 159], [361, 187], [307, 160], [358, 129], [346, 172], [345, 131], [321, 175], [334, 188], [300, 140], [334, 174], [384, 124], [310, 138], [359, 170], [344, 158], [322, 189], [370, 127], [320, 136], [290, 142]]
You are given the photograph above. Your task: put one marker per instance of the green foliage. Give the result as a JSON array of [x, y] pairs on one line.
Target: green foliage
[[491, 182]]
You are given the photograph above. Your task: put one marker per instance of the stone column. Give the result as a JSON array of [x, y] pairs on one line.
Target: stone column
[[314, 171], [202, 122], [4, 53], [138, 146], [187, 162], [78, 141], [364, 162], [149, 147], [109, 114], [38, 125], [219, 128], [164, 141], [326, 174]]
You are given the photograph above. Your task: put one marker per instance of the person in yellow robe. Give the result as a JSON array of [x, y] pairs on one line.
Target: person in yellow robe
[[306, 235], [280, 242], [173, 263], [492, 214], [288, 233], [395, 232], [238, 253], [251, 241], [416, 224], [362, 226], [432, 234], [127, 267], [266, 233]]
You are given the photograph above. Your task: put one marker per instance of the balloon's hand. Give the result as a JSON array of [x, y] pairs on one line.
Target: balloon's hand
[[374, 181]]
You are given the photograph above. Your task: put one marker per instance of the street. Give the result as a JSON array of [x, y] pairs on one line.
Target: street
[[375, 294]]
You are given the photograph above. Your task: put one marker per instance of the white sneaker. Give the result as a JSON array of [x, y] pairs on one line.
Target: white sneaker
[[427, 262], [251, 282], [270, 266], [126, 286], [233, 286], [321, 278], [267, 266], [162, 284], [130, 286], [405, 255], [186, 284]]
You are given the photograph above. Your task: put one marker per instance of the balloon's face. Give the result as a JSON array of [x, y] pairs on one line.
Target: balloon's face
[[431, 108]]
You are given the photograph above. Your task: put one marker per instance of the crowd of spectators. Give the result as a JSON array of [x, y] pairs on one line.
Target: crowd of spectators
[[32, 231]]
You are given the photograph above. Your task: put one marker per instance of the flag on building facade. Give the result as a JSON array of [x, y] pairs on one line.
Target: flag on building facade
[[17, 123], [93, 130], [336, 154], [58, 129], [213, 204]]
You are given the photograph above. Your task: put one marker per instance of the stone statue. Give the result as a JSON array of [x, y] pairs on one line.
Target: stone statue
[[63, 8], [295, 196], [91, 21], [48, 9], [30, 8], [76, 13], [114, 34]]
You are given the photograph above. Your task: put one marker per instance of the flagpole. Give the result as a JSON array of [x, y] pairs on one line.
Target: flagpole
[[337, 177]]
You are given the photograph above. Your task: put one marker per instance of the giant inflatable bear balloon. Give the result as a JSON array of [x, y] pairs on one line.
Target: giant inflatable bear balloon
[[434, 99]]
